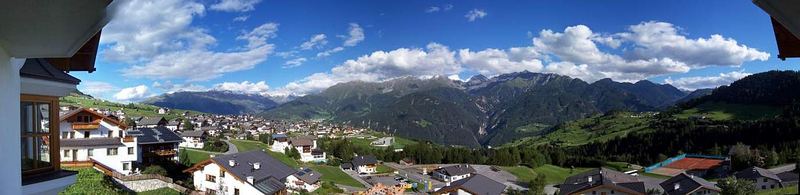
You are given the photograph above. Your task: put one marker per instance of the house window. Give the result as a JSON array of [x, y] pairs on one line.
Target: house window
[[84, 119], [72, 135], [211, 178], [64, 135], [86, 134], [612, 191], [120, 133], [235, 191], [221, 173], [126, 166], [130, 150], [111, 151], [764, 187], [772, 186], [66, 153], [110, 133], [39, 134], [90, 152], [765, 179]]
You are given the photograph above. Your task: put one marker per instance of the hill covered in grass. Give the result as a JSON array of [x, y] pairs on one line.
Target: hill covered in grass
[[597, 128], [130, 109]]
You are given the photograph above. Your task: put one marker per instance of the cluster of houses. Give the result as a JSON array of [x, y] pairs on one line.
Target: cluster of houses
[[305, 145], [607, 181], [91, 137], [253, 172]]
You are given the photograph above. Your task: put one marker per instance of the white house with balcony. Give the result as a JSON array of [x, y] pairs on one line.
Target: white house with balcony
[[253, 172], [91, 137], [307, 147]]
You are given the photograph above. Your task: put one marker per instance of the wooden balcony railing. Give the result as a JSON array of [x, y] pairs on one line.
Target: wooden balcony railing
[[85, 126], [163, 152], [127, 139]]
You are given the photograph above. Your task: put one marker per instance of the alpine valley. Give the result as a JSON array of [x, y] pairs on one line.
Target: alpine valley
[[481, 111]]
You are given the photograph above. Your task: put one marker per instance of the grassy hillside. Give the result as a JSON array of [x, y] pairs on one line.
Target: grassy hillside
[[131, 109], [593, 129], [553, 174], [727, 111]]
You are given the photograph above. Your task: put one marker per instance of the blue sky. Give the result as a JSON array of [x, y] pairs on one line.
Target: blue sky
[[254, 46]]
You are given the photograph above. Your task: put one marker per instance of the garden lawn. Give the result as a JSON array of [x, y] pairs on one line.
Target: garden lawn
[[196, 156], [553, 174], [335, 175], [247, 145], [779, 191]]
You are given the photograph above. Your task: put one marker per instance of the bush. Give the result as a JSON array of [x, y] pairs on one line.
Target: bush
[[155, 169], [215, 146], [90, 181]]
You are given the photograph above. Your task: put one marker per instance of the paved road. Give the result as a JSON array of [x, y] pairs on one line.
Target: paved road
[[411, 173], [783, 168], [231, 148], [501, 176], [355, 176], [349, 189]]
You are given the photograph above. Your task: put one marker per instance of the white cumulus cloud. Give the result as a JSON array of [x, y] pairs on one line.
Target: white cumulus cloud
[[132, 93], [434, 59], [475, 14], [355, 35], [184, 64], [702, 82], [316, 41], [294, 62], [247, 87], [235, 5]]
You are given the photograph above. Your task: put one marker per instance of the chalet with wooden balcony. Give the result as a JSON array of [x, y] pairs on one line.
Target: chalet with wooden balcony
[[89, 137], [157, 144]]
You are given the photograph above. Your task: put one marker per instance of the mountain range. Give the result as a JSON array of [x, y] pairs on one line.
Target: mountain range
[[217, 102], [480, 111]]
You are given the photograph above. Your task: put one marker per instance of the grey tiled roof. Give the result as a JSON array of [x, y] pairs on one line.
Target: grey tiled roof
[[601, 176], [150, 121], [301, 141], [39, 68], [788, 176], [456, 170], [157, 135], [364, 160], [686, 184], [99, 142], [755, 173], [270, 167], [308, 175], [477, 184], [193, 133]]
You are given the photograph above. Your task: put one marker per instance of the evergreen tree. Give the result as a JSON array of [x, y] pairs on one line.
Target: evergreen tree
[[294, 153], [187, 125], [184, 158]]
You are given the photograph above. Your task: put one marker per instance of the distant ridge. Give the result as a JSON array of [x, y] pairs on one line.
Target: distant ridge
[[480, 111]]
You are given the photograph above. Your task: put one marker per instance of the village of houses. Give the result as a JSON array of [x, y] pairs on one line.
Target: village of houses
[[96, 138]]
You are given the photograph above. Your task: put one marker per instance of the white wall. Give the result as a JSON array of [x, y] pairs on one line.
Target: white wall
[[9, 117], [229, 180], [769, 184], [100, 153]]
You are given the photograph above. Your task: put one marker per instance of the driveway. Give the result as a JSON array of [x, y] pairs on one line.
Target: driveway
[[413, 174], [355, 176], [231, 148]]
